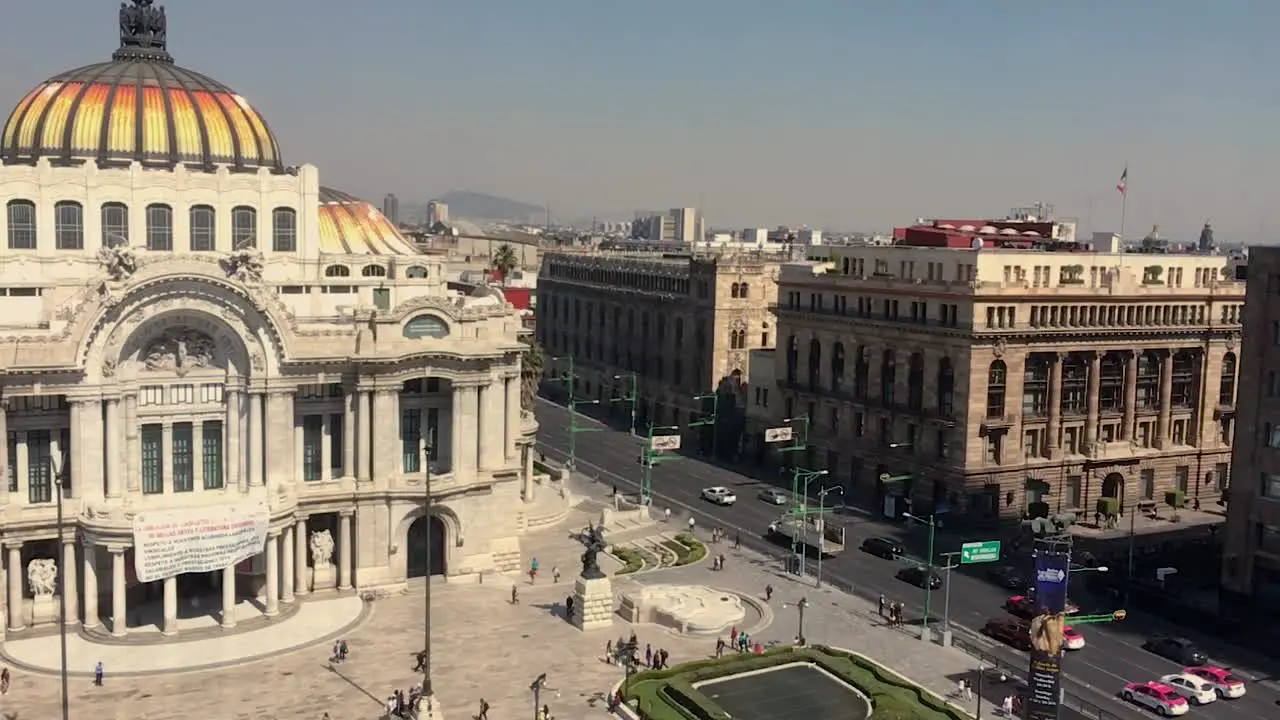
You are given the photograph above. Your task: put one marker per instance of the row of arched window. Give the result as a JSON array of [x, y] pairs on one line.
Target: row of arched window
[[739, 290], [68, 227], [413, 272], [943, 401]]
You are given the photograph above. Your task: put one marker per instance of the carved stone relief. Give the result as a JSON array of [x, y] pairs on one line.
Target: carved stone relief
[[321, 548], [180, 350], [42, 574]]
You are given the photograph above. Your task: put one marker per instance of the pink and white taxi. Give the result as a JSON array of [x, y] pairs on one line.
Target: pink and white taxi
[[1226, 685], [1156, 696]]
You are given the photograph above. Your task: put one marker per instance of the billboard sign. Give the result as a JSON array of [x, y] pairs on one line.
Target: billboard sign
[[778, 434], [1044, 680], [1051, 582], [660, 443]]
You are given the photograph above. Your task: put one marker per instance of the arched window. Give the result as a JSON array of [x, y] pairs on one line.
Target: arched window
[[1184, 373], [22, 224], [793, 358], [915, 382], [115, 224], [946, 388], [742, 290], [371, 271], [244, 227], [416, 272], [733, 290], [815, 364], [284, 230], [1035, 386], [861, 373], [337, 271], [888, 376], [203, 228], [837, 366], [1227, 386], [997, 378], [159, 227], [68, 225]]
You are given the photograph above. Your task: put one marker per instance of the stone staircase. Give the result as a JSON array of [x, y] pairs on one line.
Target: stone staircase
[[551, 505]]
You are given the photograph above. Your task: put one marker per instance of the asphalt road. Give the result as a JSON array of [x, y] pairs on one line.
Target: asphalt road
[[1096, 674]]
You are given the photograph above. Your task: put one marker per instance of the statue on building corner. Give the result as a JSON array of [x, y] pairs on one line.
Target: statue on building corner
[[42, 575], [118, 261], [244, 264], [322, 548]]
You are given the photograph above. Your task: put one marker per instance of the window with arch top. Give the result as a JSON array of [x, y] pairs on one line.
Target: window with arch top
[[997, 378], [115, 224], [159, 227], [244, 227], [1227, 380], [337, 271], [68, 225], [284, 230], [21, 215], [416, 272], [373, 271], [203, 226]]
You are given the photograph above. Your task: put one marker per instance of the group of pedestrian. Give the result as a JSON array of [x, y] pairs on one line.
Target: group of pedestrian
[[340, 651], [627, 652], [717, 562], [403, 705], [890, 611]]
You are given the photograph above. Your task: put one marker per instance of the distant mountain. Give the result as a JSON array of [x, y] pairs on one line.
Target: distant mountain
[[479, 206]]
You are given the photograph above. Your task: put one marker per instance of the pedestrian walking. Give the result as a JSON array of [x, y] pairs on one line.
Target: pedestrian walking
[[691, 523], [967, 689], [667, 512], [98, 672], [515, 595], [768, 593], [484, 710], [555, 574], [882, 602]]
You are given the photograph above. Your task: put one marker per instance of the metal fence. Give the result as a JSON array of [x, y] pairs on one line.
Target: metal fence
[[1071, 700]]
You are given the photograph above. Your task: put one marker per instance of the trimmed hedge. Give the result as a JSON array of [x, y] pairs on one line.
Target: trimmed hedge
[[669, 694], [632, 560], [697, 549]]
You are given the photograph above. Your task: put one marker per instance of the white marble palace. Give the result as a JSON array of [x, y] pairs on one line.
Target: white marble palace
[[204, 350]]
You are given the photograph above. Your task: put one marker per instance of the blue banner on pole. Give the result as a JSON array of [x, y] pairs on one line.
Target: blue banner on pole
[[1051, 582]]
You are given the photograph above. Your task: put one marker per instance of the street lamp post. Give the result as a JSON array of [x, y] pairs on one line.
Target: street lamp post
[[631, 398], [570, 380], [801, 606], [925, 633], [537, 686], [426, 613], [946, 598], [650, 457], [800, 479], [58, 468], [711, 421], [822, 508]]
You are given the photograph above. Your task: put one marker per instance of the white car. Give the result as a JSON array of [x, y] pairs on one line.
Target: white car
[[1197, 690], [1157, 696], [719, 495]]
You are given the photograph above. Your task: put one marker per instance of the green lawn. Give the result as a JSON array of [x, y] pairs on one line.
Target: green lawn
[[694, 550], [669, 694]]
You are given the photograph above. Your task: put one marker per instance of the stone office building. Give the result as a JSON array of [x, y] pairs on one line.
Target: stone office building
[[192, 328]]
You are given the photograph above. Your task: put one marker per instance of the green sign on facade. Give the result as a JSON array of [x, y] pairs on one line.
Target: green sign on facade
[[980, 552]]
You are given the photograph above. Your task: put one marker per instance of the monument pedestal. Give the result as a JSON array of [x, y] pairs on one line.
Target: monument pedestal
[[592, 603], [43, 610], [324, 577]]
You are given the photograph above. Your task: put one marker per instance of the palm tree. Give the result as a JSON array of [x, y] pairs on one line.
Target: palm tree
[[505, 260], [530, 372]]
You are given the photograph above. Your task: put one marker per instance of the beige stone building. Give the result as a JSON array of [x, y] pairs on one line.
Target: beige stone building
[[683, 324], [221, 372], [997, 377], [1251, 567]]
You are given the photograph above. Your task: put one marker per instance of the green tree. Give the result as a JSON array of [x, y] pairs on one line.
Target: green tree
[[530, 372], [505, 260]]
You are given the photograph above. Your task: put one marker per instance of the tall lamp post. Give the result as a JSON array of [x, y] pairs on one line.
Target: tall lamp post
[[58, 469], [537, 686], [427, 694], [925, 633], [801, 606], [822, 509]]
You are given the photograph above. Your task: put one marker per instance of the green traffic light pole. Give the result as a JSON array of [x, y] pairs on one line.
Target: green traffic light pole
[[648, 458], [632, 398], [798, 444], [708, 420], [800, 512], [925, 634], [570, 380]]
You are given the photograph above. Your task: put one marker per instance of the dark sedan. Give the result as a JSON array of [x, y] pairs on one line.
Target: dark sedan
[[918, 576], [1009, 631], [1179, 650], [883, 547], [1008, 577]]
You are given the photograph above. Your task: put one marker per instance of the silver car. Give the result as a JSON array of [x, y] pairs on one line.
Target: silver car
[[773, 496]]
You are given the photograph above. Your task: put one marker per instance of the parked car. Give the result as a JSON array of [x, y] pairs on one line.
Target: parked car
[[1156, 696], [1010, 631], [1179, 650], [1198, 691], [1225, 684], [773, 496], [886, 548], [1072, 639], [918, 576], [719, 495], [1008, 577], [1024, 606]]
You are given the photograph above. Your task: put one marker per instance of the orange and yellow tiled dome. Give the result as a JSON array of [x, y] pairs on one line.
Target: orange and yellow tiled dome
[[140, 106], [351, 226]]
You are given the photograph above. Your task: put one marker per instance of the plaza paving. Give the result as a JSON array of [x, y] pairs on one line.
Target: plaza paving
[[484, 646]]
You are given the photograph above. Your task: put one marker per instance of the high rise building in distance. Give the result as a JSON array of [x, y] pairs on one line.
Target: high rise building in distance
[[437, 212], [391, 208]]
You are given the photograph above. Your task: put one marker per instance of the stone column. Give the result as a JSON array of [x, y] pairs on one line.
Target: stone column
[[490, 422], [166, 456], [273, 573], [364, 436], [229, 596], [90, 552], [1055, 405], [4, 451], [15, 570], [348, 437], [22, 466], [1130, 393], [76, 434], [326, 447], [256, 434], [133, 452], [1091, 407], [119, 611], [286, 573], [282, 442], [513, 417], [300, 557], [232, 457], [529, 485], [170, 606], [113, 455], [1164, 424], [344, 551], [385, 441], [466, 399], [456, 437], [71, 608]]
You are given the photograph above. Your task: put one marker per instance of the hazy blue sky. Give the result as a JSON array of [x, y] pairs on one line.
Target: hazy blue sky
[[826, 112]]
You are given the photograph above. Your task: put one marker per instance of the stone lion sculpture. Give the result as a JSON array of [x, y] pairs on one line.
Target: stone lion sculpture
[[321, 547], [42, 573], [1046, 633]]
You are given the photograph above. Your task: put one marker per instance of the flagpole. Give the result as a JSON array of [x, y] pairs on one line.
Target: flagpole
[[1124, 199]]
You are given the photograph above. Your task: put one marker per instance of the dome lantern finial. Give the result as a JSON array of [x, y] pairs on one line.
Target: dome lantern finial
[[143, 31]]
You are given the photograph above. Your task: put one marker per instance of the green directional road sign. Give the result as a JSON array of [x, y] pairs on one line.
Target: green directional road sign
[[980, 552]]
